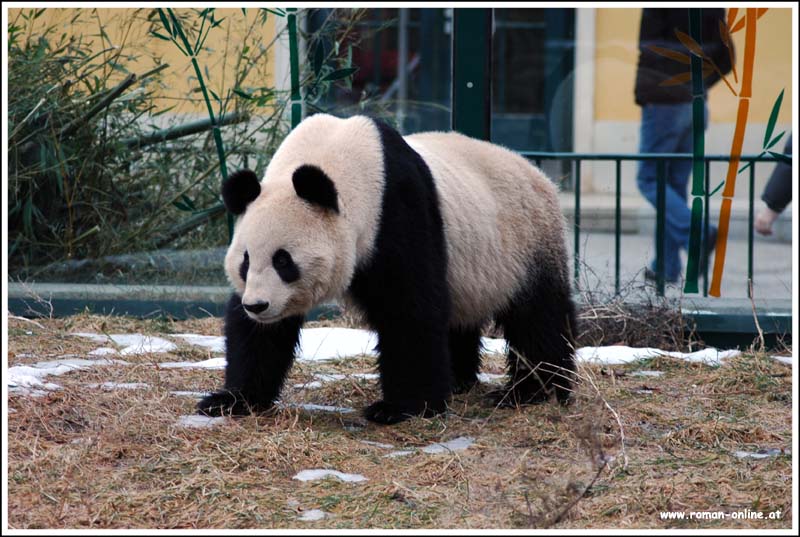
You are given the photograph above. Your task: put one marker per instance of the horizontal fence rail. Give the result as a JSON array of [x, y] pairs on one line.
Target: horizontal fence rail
[[662, 159]]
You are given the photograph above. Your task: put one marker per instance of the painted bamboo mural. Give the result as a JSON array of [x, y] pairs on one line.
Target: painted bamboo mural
[[700, 67]]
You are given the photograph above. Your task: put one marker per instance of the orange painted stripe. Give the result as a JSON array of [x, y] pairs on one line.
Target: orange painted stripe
[[722, 244], [736, 148], [749, 52]]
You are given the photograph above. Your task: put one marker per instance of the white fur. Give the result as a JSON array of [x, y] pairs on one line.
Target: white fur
[[502, 220]]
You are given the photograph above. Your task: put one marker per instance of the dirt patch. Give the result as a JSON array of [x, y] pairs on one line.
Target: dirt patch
[[628, 448]]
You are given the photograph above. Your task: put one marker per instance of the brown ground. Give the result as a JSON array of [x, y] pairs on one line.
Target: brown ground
[[88, 458]]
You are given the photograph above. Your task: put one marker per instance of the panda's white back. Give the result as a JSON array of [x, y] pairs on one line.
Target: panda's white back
[[501, 216]]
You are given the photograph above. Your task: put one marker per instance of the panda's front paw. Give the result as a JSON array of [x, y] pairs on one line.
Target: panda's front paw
[[225, 403], [387, 413]]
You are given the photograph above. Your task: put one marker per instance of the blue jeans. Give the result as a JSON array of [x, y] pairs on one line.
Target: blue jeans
[[667, 128]]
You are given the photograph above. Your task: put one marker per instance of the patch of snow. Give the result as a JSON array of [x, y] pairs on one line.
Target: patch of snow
[[140, 344], [120, 386], [313, 515], [399, 453], [457, 444], [27, 379], [102, 351], [313, 385], [331, 377], [783, 359], [317, 344], [377, 444], [323, 408], [643, 391], [493, 345], [489, 377], [211, 363], [645, 373], [620, 354], [100, 338], [212, 343], [761, 453], [198, 395], [314, 475], [132, 343], [197, 421]]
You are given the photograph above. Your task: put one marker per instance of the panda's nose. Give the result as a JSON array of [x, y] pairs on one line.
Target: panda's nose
[[256, 308]]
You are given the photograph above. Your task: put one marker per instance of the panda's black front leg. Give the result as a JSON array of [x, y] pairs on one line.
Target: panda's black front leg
[[259, 357], [415, 372]]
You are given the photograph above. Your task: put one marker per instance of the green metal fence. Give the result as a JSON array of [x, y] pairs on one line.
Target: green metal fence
[[578, 158]]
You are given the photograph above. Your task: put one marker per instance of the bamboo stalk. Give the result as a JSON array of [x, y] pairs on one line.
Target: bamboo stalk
[[698, 154], [751, 17]]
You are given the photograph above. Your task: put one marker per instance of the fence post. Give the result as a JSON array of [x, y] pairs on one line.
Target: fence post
[[294, 66], [661, 213], [472, 72]]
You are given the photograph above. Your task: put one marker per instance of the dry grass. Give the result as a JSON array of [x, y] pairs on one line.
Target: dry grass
[[88, 458]]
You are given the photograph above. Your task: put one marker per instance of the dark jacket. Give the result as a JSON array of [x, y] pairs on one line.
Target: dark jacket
[[778, 191], [658, 28]]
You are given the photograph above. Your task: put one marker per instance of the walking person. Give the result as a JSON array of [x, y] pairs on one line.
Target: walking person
[[667, 122]]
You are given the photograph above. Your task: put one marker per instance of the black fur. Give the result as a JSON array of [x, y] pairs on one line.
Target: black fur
[[465, 354], [245, 266], [407, 301], [314, 186], [539, 326], [285, 266], [239, 190], [259, 357]]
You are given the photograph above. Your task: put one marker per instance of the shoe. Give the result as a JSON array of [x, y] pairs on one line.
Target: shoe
[[711, 243], [650, 275]]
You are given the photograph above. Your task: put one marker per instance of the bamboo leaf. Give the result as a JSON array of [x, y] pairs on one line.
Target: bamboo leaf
[[732, 12], [738, 26], [339, 74], [242, 94], [181, 206], [672, 54], [786, 159], [775, 140], [213, 94], [277, 11], [165, 22], [160, 36], [678, 79], [319, 57], [773, 118], [690, 43], [188, 202]]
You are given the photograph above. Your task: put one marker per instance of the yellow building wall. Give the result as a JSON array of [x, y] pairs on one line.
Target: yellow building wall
[[616, 53], [130, 28]]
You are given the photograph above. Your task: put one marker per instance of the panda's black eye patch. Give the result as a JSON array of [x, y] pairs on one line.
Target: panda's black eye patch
[[245, 266], [285, 266]]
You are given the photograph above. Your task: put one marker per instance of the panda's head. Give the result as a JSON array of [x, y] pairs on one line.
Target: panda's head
[[289, 249]]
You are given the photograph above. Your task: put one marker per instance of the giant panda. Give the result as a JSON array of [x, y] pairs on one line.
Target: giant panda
[[429, 235]]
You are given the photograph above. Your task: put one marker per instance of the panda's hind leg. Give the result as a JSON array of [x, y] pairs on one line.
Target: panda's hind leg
[[539, 326], [465, 357]]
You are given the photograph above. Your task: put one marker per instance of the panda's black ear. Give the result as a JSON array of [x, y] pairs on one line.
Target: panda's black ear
[[239, 190], [314, 186]]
